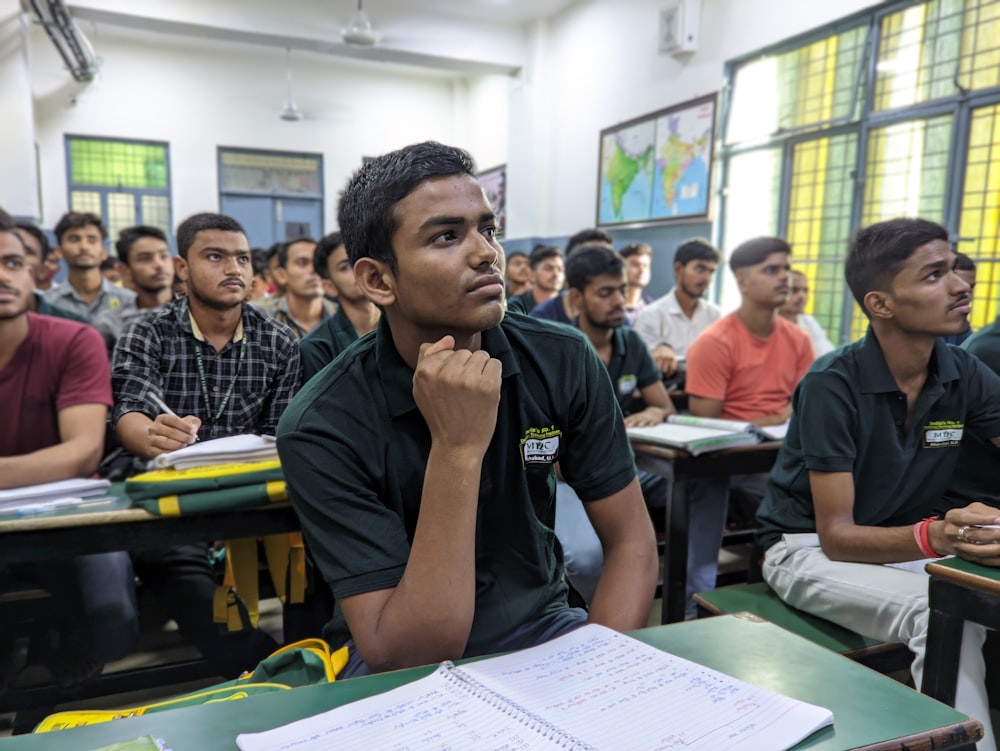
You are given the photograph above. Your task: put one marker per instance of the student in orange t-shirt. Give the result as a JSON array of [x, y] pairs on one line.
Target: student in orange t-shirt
[[744, 366]]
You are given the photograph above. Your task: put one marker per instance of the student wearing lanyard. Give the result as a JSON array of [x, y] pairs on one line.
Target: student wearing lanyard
[[224, 368]]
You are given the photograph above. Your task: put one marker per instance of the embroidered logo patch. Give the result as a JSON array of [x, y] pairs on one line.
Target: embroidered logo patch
[[540, 445], [627, 384], [943, 433]]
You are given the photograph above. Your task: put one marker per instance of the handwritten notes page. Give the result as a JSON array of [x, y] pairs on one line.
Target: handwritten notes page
[[591, 689]]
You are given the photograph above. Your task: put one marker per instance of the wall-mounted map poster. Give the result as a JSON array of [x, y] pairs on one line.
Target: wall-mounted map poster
[[494, 182], [658, 167]]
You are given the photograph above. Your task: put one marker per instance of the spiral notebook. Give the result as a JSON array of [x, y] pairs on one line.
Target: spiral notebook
[[591, 689]]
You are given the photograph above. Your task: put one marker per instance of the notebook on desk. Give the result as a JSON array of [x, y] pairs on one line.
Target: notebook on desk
[[593, 688], [66, 492], [698, 435]]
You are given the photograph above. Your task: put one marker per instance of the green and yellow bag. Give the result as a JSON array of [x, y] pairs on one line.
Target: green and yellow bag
[[232, 487], [304, 663]]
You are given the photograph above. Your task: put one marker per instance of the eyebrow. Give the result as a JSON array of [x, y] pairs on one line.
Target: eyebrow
[[935, 266], [223, 251], [451, 221]]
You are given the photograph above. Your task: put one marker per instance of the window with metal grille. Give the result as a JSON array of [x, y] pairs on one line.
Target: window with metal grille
[[124, 182], [891, 112]]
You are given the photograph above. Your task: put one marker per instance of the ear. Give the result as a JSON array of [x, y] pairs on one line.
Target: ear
[[575, 298], [741, 278], [281, 276], [125, 272], [879, 304], [678, 269], [376, 281], [181, 268]]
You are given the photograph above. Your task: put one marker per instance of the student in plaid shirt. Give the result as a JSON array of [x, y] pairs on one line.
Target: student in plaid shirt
[[224, 368]]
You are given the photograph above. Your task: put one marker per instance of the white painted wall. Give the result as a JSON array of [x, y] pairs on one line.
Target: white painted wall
[[197, 96], [18, 183]]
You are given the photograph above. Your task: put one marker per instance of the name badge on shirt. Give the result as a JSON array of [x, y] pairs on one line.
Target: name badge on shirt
[[540, 446], [942, 434], [627, 384]]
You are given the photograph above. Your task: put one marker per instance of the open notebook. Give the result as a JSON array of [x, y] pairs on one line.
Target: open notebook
[[698, 435], [590, 689]]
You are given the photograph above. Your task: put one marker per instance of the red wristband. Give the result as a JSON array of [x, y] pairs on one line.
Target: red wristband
[[921, 533]]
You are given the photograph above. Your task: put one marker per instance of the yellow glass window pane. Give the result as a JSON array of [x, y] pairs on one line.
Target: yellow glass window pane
[[819, 221], [118, 164], [802, 87], [979, 222]]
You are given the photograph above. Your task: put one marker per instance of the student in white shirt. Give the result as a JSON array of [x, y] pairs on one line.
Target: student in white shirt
[[670, 324], [792, 311]]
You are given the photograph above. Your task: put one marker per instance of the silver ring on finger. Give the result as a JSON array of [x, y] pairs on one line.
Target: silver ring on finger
[[963, 536]]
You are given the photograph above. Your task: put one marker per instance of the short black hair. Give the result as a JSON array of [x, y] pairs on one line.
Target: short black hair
[[696, 249], [964, 263], [324, 249], [76, 220], [284, 247], [258, 259], [367, 210], [130, 235], [879, 251], [515, 253], [8, 227], [35, 232], [591, 260], [543, 253], [190, 227], [588, 236], [636, 249], [752, 252]]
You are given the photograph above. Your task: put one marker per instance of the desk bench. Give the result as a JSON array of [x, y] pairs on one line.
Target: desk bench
[[662, 461], [871, 712]]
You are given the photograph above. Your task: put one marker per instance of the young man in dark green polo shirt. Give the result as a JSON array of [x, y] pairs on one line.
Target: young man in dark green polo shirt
[[356, 314], [870, 451], [422, 461], [597, 280]]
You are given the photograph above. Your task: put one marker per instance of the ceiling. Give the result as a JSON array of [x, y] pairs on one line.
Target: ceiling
[[454, 37]]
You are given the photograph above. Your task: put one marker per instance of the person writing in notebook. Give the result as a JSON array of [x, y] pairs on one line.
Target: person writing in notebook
[[877, 429], [223, 368], [56, 389], [744, 366], [421, 462]]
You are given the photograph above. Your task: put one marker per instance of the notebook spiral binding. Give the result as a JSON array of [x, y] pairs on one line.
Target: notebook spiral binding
[[533, 722]]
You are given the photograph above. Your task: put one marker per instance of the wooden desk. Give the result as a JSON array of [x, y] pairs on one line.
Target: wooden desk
[[960, 591], [67, 533], [659, 460], [871, 712]]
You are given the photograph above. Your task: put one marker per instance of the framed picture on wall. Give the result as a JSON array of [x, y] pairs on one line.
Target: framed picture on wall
[[658, 167], [494, 182]]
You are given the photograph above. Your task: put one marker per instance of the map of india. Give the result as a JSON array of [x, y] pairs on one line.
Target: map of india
[[657, 169]]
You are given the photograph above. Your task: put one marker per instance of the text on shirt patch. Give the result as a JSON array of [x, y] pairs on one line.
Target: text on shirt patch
[[540, 446], [943, 433]]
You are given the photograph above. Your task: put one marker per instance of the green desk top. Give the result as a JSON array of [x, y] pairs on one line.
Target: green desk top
[[964, 566], [867, 707]]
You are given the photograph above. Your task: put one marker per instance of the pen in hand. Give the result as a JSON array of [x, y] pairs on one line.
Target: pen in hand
[[162, 406]]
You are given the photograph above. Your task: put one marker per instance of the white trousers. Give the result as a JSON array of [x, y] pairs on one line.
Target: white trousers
[[880, 602]]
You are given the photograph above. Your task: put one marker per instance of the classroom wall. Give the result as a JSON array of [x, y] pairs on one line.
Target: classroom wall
[[543, 123], [18, 185]]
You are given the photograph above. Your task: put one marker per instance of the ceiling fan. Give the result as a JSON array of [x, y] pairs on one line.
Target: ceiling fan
[[359, 30], [289, 112]]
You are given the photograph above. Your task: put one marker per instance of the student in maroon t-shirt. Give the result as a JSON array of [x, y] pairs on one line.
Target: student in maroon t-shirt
[[55, 387]]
